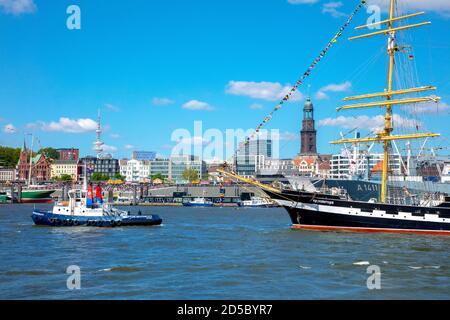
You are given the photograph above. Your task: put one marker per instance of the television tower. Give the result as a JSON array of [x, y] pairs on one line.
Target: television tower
[[98, 143]]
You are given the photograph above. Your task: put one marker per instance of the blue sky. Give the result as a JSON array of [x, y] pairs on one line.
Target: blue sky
[[156, 66]]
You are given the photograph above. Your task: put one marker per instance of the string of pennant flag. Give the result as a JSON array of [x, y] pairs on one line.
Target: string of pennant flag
[[300, 81]]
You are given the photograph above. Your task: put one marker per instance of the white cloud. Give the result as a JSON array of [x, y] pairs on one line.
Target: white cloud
[[69, 125], [270, 91], [256, 106], [342, 87], [302, 1], [196, 141], [197, 105], [130, 147], [114, 136], [320, 95], [285, 136], [441, 7], [17, 7], [112, 107], [424, 109], [9, 128], [374, 124], [108, 148], [162, 101], [332, 9]]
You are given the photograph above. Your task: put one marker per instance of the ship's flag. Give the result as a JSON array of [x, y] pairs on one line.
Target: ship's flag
[[89, 197], [98, 194]]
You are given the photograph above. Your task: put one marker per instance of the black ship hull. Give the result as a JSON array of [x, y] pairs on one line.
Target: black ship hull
[[314, 211]]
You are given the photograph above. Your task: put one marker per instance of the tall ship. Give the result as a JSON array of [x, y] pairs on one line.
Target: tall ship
[[428, 213]]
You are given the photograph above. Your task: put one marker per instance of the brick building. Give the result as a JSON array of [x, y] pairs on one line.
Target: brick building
[[40, 166], [68, 154]]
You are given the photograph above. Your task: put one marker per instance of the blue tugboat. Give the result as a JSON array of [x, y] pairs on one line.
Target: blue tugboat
[[83, 210]]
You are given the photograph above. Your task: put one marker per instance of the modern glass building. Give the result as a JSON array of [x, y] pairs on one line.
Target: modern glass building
[[144, 155], [160, 166], [250, 157], [174, 167]]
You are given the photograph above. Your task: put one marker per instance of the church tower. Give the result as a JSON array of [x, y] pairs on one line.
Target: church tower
[[308, 132]]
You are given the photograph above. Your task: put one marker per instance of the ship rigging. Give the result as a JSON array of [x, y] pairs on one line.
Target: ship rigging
[[322, 211]]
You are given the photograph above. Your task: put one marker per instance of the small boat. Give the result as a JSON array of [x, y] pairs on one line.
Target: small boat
[[31, 195], [83, 210], [198, 202], [3, 197], [258, 202]]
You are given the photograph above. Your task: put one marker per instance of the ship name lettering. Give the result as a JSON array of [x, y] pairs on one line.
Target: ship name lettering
[[323, 202]]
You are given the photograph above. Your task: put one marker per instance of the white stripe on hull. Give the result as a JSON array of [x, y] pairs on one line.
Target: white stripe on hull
[[407, 216]]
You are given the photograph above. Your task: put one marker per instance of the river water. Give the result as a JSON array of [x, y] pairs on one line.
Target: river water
[[216, 253]]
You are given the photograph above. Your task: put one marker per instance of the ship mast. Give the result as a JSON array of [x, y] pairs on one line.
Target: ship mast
[[387, 119], [386, 136]]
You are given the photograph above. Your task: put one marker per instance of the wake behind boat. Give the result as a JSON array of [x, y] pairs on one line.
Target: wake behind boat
[[83, 210]]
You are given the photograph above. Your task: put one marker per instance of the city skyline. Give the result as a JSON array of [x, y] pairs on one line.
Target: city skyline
[[158, 69]]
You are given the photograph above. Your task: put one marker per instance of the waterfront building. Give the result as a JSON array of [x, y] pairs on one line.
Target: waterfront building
[[161, 167], [251, 156], [68, 154], [173, 168], [323, 166], [182, 162], [305, 165], [344, 166], [445, 176], [64, 167], [7, 174], [212, 167], [313, 165], [144, 155], [104, 165], [40, 166], [135, 170], [277, 167], [123, 167]]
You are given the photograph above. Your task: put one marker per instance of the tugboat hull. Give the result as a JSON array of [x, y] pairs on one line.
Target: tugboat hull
[[322, 212], [46, 218]]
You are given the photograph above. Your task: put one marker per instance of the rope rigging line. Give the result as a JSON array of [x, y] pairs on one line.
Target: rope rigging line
[[306, 74]]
